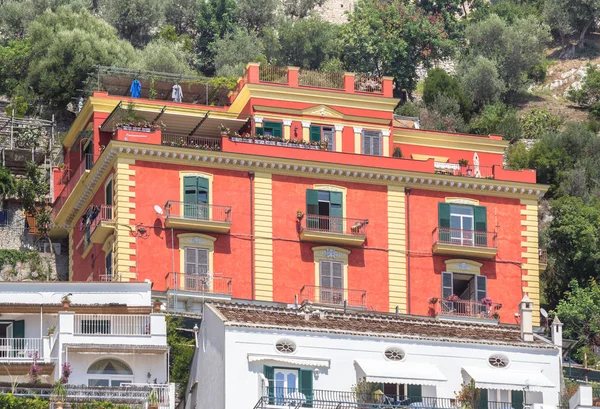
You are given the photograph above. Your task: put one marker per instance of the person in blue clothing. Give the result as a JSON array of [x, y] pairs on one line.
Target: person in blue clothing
[[136, 89]]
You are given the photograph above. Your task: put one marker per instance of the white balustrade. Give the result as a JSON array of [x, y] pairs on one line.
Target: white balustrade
[[108, 324]]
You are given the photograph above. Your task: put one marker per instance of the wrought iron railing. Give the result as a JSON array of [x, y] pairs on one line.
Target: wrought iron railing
[[469, 308], [193, 142], [204, 283], [334, 296], [319, 79], [198, 211], [465, 238], [13, 349], [109, 324], [71, 181], [368, 83], [272, 73], [456, 169], [105, 214], [329, 224]]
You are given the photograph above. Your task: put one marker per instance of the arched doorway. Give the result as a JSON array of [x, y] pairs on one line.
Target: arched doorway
[[109, 372]]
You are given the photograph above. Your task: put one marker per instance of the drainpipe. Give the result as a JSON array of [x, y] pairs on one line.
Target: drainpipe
[[407, 250], [252, 255]]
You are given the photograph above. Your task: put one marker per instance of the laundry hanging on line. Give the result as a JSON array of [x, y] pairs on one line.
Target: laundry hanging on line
[[136, 89], [177, 93]]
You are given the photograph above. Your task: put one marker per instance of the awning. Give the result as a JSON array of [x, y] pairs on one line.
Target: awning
[[506, 379], [414, 373], [294, 360]]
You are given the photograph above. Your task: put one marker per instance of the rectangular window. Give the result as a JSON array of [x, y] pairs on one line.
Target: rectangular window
[[195, 197], [271, 129], [320, 133], [197, 276], [462, 294], [463, 225], [327, 207], [109, 265], [332, 282], [108, 193], [372, 143]]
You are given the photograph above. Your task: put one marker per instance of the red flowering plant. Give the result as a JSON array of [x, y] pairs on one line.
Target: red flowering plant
[[66, 372]]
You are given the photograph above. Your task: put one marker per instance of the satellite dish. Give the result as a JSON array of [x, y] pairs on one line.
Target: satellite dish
[[544, 313], [158, 209]]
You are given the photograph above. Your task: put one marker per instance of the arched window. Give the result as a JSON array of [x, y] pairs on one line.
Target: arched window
[[109, 372]]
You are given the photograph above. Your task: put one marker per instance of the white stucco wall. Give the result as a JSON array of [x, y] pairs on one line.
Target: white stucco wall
[[243, 378]]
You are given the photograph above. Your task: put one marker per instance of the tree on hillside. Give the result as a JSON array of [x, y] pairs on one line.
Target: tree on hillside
[[392, 38], [256, 15], [182, 15], [439, 82], [65, 47], [481, 81], [14, 63], [216, 18], [8, 184], [515, 48], [579, 311], [233, 52], [573, 16], [296, 9], [164, 56], [15, 16], [134, 19]]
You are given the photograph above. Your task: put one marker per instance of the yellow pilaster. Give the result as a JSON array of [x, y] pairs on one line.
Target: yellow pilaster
[[386, 142], [529, 243], [357, 138], [287, 124], [263, 231], [338, 137], [306, 131], [124, 246], [397, 247]]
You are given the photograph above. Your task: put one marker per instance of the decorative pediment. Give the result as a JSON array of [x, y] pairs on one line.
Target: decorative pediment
[[322, 111]]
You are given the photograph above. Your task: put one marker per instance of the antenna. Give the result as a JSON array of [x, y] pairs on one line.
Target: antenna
[[544, 313], [159, 211]]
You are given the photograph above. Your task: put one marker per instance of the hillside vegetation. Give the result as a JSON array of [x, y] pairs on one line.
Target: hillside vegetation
[[525, 69]]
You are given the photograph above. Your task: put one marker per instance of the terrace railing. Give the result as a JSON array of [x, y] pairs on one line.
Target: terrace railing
[[368, 83], [273, 74], [108, 324], [319, 79], [468, 308], [14, 349], [465, 238], [194, 142], [198, 211], [204, 283], [334, 296], [456, 169], [330, 224]]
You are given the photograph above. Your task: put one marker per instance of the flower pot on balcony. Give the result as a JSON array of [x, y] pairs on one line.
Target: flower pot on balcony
[[59, 405], [152, 406], [156, 306], [66, 304]]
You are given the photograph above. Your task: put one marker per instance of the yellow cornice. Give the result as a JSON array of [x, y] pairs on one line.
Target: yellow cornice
[[86, 188], [285, 113], [324, 97], [450, 141]]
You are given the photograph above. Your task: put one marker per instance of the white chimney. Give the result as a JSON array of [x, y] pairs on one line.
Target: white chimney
[[526, 310], [557, 332]]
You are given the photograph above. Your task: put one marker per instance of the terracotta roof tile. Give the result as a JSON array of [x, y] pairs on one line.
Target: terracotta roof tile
[[370, 324]]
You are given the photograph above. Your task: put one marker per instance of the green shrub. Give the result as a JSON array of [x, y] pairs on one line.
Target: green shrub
[[9, 401], [539, 121]]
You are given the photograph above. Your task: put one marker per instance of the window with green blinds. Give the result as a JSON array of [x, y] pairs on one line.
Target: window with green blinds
[[269, 128]]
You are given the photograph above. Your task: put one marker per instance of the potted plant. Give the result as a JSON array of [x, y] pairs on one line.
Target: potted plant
[[299, 214], [464, 164], [66, 303], [51, 330], [433, 300], [152, 400], [397, 152], [59, 395], [156, 305], [496, 316]]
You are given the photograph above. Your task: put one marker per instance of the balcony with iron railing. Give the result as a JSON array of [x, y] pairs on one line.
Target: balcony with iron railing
[[198, 217], [457, 307], [279, 397], [334, 296], [112, 324], [102, 225], [205, 284], [332, 230], [461, 242], [457, 169], [192, 142], [70, 179]]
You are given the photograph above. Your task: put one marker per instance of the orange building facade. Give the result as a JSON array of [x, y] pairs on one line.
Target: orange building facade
[[297, 190]]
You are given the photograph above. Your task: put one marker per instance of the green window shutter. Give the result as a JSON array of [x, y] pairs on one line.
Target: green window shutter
[[315, 133], [269, 373], [480, 216], [109, 193], [447, 288], [516, 398], [259, 130], [444, 222], [190, 189], [19, 329], [483, 399], [306, 386], [336, 210], [312, 207], [276, 128], [414, 393]]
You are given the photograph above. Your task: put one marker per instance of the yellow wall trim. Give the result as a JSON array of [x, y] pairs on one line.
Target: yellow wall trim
[[449, 141], [530, 268], [462, 200], [263, 231], [396, 200], [124, 214], [460, 265], [417, 156]]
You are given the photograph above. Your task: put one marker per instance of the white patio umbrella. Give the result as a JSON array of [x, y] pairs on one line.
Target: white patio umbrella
[[476, 171]]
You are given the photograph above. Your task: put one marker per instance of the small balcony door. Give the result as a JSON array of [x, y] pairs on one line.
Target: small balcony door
[[197, 277], [332, 282], [286, 384], [326, 210], [462, 293], [195, 198]]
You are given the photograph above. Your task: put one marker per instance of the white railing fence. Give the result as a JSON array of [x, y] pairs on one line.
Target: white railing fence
[[20, 348], [107, 324]]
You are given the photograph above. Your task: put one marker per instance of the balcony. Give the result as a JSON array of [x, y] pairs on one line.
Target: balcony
[[198, 217], [107, 324], [21, 349], [465, 243], [334, 296], [199, 283], [70, 179], [333, 230], [193, 142], [456, 307], [102, 225], [456, 169]]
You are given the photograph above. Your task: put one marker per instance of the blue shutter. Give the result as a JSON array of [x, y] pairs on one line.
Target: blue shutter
[[447, 288]]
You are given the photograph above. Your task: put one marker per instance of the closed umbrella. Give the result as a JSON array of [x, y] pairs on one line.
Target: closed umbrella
[[477, 172]]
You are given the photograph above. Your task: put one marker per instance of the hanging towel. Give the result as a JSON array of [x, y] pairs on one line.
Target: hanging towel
[[136, 89], [177, 94]]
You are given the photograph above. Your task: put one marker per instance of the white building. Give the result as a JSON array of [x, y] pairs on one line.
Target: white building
[[108, 335], [253, 355]]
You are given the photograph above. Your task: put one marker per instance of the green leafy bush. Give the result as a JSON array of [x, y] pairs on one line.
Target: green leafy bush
[[538, 121], [9, 401]]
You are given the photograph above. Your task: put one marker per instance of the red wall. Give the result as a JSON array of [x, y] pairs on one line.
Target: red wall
[[503, 273], [293, 261]]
